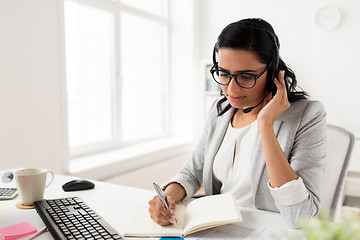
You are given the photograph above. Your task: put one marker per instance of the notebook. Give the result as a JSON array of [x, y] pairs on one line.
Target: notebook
[[200, 214]]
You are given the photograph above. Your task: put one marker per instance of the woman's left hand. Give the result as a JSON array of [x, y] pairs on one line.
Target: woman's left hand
[[274, 107]]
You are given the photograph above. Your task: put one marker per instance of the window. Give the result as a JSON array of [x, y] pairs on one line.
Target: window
[[116, 71]]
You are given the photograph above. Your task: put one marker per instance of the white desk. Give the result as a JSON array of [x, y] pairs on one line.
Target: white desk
[[116, 204]]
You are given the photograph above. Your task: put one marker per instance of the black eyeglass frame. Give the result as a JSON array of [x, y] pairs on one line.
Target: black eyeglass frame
[[215, 68]]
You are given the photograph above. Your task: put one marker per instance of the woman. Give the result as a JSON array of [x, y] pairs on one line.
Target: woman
[[264, 141]]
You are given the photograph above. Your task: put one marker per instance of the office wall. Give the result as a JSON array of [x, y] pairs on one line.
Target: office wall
[[326, 62], [31, 123]]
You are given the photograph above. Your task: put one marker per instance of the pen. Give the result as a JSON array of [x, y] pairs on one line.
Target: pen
[[38, 233], [160, 193]]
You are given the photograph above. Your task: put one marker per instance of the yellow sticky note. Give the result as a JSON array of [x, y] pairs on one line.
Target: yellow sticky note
[[2, 205]]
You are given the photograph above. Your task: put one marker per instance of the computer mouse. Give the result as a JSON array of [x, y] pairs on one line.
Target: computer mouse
[[77, 185]]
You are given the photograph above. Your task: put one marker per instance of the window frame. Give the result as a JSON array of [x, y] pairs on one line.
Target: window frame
[[116, 8]]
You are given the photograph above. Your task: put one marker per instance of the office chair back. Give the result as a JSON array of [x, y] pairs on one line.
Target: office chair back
[[340, 143]]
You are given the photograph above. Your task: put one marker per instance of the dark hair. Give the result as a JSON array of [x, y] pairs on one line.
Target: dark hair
[[257, 35]]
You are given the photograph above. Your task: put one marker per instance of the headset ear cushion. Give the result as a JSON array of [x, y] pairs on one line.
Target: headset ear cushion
[[270, 85]]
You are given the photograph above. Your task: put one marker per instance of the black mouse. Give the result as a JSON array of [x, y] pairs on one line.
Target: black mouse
[[77, 184]]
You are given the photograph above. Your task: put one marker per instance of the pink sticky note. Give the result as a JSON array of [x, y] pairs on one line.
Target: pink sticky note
[[17, 230]]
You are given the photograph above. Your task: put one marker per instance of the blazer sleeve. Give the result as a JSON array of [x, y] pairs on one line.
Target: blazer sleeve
[[307, 158]]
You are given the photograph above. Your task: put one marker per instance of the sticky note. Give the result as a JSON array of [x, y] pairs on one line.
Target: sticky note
[[2, 205], [17, 230]]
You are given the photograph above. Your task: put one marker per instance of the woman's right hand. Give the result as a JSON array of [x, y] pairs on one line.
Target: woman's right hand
[[158, 212]]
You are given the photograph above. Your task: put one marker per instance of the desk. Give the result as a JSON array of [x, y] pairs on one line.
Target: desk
[[116, 204]]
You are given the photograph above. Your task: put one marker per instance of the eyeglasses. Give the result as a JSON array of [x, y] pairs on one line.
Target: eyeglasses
[[243, 79]]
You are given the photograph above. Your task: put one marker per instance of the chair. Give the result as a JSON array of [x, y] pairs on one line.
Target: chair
[[340, 143]]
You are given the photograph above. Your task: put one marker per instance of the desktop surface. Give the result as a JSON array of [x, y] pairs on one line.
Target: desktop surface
[[116, 204]]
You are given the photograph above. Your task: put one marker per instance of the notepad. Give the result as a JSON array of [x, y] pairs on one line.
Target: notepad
[[200, 214], [17, 230]]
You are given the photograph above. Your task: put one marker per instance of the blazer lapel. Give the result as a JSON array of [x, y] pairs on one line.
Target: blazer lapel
[[221, 126]]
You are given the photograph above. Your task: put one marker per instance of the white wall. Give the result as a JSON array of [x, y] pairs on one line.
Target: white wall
[[31, 123], [326, 62]]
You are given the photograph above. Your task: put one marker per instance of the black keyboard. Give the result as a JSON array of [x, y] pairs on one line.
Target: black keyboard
[[71, 218]]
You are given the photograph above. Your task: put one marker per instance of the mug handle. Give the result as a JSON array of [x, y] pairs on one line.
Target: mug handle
[[52, 178]]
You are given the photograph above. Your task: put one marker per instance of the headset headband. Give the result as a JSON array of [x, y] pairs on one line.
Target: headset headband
[[256, 26]]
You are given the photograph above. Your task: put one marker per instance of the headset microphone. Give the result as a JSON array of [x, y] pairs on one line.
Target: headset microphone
[[247, 110]]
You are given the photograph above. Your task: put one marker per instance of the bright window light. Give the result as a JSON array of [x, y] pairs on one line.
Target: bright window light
[[90, 73], [116, 73], [143, 78], [152, 6]]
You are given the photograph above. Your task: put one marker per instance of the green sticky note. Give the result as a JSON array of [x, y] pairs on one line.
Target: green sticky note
[[2, 205]]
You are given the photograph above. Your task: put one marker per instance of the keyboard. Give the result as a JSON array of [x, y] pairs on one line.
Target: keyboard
[[71, 218]]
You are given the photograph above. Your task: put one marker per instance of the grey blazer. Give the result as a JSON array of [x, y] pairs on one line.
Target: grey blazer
[[301, 132]]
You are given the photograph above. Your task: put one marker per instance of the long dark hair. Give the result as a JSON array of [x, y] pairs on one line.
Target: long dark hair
[[257, 35]]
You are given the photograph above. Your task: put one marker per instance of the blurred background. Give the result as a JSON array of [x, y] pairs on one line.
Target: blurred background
[[119, 89]]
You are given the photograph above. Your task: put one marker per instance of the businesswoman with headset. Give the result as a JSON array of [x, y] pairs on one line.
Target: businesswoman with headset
[[264, 140]]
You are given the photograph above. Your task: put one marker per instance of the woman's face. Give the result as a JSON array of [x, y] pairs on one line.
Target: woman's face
[[235, 61]]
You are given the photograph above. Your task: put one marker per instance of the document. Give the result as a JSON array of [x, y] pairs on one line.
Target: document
[[202, 213], [234, 231]]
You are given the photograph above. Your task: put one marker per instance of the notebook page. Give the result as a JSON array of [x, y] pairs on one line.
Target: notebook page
[[211, 211], [142, 225]]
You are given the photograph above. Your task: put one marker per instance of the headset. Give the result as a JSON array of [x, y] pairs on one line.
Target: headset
[[273, 70]]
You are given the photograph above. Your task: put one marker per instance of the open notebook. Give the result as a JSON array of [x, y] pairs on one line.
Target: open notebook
[[201, 213]]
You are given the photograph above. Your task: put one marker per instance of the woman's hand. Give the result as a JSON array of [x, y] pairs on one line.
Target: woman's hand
[[278, 167], [158, 212], [274, 107]]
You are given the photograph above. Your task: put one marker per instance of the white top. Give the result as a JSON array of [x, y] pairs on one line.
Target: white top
[[233, 165]]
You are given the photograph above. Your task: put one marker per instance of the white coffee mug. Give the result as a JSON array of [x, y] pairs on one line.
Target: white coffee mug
[[31, 183]]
